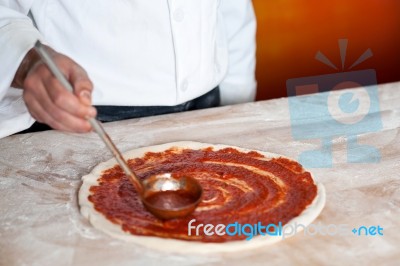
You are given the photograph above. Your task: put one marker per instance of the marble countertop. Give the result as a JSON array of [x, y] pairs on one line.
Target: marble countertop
[[40, 174]]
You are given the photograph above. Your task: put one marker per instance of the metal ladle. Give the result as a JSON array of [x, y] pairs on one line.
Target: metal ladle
[[165, 196]]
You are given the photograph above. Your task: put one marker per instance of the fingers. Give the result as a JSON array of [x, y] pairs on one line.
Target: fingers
[[65, 99], [45, 111], [82, 85], [49, 102]]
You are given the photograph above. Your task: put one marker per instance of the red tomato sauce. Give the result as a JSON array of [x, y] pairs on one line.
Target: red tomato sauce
[[270, 191]]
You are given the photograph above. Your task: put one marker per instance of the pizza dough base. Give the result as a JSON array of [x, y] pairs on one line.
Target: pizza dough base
[[181, 246]]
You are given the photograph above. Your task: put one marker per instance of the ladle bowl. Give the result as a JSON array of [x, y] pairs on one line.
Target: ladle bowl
[[170, 196]]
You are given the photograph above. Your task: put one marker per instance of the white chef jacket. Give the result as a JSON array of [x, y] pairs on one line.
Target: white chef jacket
[[136, 52]]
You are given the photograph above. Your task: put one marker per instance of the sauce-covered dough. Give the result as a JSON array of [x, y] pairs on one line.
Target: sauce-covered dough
[[243, 187]]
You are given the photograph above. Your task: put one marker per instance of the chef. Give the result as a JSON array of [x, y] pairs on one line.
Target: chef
[[128, 58]]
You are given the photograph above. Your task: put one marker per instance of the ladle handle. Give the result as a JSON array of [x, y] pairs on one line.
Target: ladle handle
[[96, 125]]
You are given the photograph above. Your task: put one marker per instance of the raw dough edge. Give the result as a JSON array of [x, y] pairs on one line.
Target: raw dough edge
[[182, 246]]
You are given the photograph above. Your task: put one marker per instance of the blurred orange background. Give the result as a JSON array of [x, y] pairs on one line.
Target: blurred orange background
[[291, 32]]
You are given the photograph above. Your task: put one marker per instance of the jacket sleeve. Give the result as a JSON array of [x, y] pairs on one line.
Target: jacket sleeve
[[239, 85], [17, 36]]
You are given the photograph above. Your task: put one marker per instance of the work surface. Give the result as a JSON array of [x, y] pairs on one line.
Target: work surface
[[40, 175]]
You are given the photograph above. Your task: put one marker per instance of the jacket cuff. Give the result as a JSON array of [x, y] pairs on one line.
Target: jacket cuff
[[16, 39]]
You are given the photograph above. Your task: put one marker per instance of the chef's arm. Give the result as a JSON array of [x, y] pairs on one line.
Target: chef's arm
[[28, 62], [47, 101], [239, 85], [17, 37]]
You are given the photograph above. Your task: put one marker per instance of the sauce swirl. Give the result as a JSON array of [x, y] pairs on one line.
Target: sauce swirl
[[237, 187]]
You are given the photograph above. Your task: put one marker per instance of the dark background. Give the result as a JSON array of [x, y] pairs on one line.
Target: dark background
[[290, 32]]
